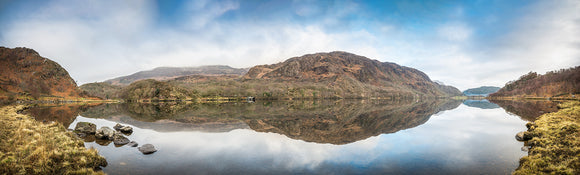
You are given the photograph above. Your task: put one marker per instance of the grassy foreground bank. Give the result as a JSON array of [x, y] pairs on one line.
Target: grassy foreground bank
[[555, 147], [30, 147]]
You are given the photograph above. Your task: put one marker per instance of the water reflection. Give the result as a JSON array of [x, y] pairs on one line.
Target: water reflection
[[310, 137], [481, 104], [528, 110], [461, 141], [336, 122], [62, 113]]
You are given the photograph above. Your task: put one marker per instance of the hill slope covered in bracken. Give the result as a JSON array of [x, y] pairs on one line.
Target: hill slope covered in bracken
[[27, 75], [563, 83]]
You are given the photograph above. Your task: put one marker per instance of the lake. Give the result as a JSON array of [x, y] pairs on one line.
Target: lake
[[311, 137]]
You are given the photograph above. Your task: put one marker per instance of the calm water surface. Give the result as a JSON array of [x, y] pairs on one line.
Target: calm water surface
[[341, 137]]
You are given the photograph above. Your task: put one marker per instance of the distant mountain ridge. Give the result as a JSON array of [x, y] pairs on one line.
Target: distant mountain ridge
[[481, 91], [343, 66], [24, 73], [330, 75], [166, 73]]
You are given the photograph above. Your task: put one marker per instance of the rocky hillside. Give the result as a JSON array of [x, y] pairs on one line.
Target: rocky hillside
[[563, 83], [346, 67], [26, 74], [165, 73]]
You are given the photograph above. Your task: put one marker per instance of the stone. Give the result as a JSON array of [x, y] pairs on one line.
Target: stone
[[525, 148], [117, 126], [119, 139], [523, 136], [125, 129], [86, 127], [133, 144], [105, 133], [147, 149]]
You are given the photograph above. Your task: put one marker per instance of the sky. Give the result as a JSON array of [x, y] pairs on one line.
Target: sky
[[465, 44]]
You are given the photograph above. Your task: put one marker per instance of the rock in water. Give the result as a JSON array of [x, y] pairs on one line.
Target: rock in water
[[147, 149], [125, 129], [117, 126], [86, 127], [523, 136], [119, 139], [133, 144], [105, 133]]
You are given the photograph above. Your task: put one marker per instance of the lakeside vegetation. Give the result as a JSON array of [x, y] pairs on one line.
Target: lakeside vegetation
[[561, 84], [555, 146], [30, 147]]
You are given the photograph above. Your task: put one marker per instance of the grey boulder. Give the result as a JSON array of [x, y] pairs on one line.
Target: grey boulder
[[105, 133], [86, 127], [147, 149], [119, 139], [523, 136], [125, 129]]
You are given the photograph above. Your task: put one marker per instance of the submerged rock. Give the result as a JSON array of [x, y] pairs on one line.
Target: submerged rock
[[147, 149], [119, 139], [523, 136], [105, 133], [86, 127], [133, 144], [125, 129]]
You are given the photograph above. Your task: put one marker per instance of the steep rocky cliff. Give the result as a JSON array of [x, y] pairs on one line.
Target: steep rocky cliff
[[26, 74]]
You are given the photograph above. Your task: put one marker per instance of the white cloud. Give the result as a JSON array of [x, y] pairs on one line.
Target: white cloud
[[455, 31], [203, 12], [98, 40]]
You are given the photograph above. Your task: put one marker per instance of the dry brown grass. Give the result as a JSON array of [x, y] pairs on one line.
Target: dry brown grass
[[30, 147], [556, 143]]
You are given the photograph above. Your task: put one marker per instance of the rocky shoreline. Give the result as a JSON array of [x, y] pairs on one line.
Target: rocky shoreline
[[117, 136], [31, 147], [553, 142]]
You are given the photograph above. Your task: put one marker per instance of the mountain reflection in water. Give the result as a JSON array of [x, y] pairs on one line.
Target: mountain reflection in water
[[335, 122], [306, 137], [528, 110]]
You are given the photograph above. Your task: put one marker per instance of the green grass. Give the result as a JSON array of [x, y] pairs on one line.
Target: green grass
[[30, 147], [556, 143]]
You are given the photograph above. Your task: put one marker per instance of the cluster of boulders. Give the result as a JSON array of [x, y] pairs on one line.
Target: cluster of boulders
[[84, 129], [525, 136]]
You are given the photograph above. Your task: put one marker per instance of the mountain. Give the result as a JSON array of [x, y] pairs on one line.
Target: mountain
[[563, 83], [352, 70], [331, 75], [481, 91], [27, 75], [166, 73]]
